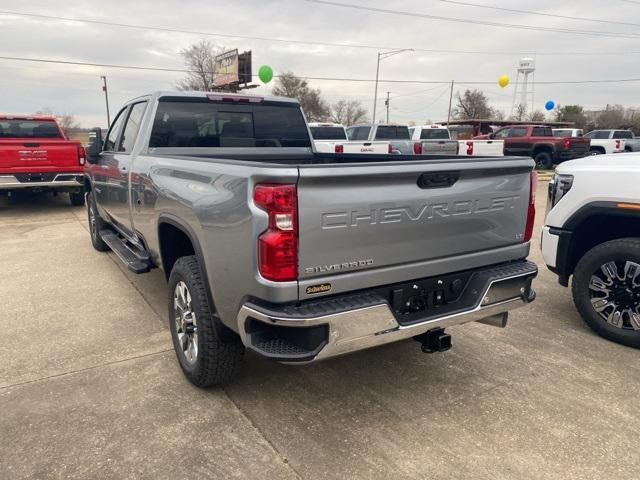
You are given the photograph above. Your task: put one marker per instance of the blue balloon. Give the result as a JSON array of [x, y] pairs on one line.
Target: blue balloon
[[549, 105]]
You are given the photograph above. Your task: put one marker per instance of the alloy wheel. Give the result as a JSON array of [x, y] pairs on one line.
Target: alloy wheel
[[614, 291], [185, 322]]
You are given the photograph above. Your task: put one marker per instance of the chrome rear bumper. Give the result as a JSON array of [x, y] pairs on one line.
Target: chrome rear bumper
[[374, 322], [60, 180]]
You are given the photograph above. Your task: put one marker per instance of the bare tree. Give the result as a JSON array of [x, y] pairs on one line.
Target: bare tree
[[311, 101], [537, 116], [571, 113], [473, 104], [348, 112], [521, 112], [199, 59], [612, 117], [66, 120]]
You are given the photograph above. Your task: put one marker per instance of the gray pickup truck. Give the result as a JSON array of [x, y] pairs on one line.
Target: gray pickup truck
[[297, 255]]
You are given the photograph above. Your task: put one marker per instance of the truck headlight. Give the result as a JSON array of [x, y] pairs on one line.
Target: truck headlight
[[558, 188]]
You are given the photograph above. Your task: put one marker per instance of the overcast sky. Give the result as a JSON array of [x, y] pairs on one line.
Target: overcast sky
[[27, 87]]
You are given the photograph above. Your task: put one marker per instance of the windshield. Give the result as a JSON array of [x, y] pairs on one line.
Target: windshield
[[328, 133], [434, 134], [29, 129], [197, 122], [392, 132]]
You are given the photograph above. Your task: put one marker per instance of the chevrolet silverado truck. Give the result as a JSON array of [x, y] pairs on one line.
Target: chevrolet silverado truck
[[397, 135], [539, 143], [36, 155], [332, 138], [592, 235], [298, 255], [433, 139]]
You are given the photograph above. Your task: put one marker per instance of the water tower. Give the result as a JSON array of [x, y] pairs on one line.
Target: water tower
[[524, 90]]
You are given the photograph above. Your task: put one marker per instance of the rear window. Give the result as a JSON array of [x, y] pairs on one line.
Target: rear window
[[198, 122], [542, 132], [623, 134], [598, 134], [434, 134], [328, 133], [29, 129], [392, 132]]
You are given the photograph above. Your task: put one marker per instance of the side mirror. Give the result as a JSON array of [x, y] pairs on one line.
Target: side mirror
[[492, 135], [95, 147]]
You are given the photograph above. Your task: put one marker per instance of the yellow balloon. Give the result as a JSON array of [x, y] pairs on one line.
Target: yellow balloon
[[503, 81]]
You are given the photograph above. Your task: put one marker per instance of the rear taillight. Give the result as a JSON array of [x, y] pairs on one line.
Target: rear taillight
[[566, 143], [417, 148], [531, 211], [617, 144], [278, 244], [469, 148], [339, 149], [390, 149], [82, 155]]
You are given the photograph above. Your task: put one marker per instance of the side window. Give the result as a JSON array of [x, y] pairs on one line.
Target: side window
[[541, 132], [518, 132], [350, 133], [503, 133], [114, 131], [132, 127], [362, 133], [623, 134]]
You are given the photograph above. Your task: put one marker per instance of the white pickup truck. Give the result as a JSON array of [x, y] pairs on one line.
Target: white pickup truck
[[332, 138], [592, 233], [600, 143]]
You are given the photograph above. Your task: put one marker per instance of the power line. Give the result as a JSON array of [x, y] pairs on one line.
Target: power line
[[541, 14], [479, 22], [306, 77], [307, 42]]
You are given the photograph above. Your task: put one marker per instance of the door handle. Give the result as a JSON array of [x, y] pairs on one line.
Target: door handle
[[438, 179]]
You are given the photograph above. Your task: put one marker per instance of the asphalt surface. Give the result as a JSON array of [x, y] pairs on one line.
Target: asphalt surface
[[90, 388]]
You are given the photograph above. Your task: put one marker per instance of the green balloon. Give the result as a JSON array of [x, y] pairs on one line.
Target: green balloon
[[265, 73]]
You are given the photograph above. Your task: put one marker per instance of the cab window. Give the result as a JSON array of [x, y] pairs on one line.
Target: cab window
[[114, 131], [502, 133], [131, 128], [518, 132]]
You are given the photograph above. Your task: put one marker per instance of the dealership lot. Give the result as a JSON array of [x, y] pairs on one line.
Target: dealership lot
[[89, 385]]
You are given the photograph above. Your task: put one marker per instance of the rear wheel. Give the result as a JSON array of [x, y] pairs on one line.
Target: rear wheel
[[606, 290], [544, 160], [205, 357], [95, 225], [596, 151]]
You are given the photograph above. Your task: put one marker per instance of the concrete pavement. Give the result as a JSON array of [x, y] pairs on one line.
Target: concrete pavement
[[89, 386]]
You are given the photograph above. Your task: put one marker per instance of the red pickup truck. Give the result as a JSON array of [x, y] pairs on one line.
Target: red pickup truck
[[35, 154], [538, 142]]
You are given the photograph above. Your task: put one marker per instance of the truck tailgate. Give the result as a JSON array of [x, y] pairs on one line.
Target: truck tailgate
[[28, 155], [368, 217]]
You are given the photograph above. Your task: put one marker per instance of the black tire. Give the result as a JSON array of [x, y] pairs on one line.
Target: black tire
[[596, 151], [622, 250], [544, 160], [95, 225], [77, 198], [217, 360]]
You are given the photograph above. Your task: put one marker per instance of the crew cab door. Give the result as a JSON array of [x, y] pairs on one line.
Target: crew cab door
[[517, 143], [112, 177]]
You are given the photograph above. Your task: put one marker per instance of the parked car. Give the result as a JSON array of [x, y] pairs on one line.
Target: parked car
[[432, 139], [397, 135], [539, 143], [332, 138], [298, 255], [36, 155], [592, 235], [626, 140]]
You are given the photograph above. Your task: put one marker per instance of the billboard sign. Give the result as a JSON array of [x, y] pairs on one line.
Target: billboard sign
[[226, 69]]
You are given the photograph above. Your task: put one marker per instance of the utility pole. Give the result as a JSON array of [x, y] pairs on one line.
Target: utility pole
[[106, 99], [450, 100], [387, 104], [382, 56]]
